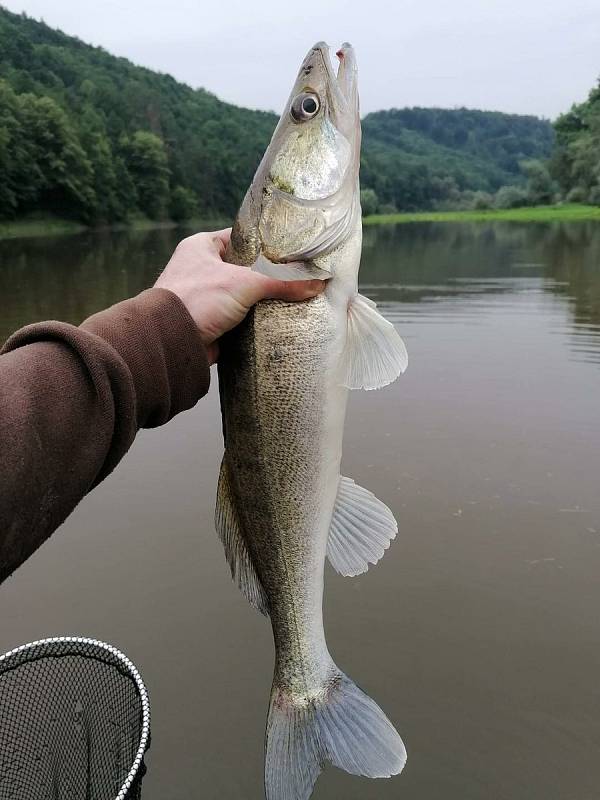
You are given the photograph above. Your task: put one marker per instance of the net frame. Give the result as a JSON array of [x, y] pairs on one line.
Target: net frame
[[81, 645]]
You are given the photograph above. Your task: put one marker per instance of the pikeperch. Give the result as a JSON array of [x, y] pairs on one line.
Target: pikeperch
[[282, 505]]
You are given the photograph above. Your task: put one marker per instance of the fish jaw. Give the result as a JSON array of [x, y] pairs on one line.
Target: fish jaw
[[339, 90]]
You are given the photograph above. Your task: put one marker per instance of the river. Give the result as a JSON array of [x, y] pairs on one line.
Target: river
[[478, 633]]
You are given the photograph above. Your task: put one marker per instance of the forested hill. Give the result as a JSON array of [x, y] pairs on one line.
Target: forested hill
[[419, 157], [87, 135], [97, 137]]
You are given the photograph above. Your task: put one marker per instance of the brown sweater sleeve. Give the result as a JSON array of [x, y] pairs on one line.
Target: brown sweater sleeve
[[72, 400]]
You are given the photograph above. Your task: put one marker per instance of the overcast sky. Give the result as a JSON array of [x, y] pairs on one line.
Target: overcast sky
[[525, 56]]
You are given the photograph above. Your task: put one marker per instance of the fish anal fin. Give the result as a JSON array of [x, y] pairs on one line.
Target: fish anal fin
[[375, 355], [236, 551], [362, 528]]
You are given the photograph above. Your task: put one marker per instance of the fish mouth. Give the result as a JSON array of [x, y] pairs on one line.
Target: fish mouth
[[343, 83]]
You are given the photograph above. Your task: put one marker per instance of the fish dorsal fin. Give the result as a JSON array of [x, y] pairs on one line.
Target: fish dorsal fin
[[362, 528], [236, 551], [375, 354]]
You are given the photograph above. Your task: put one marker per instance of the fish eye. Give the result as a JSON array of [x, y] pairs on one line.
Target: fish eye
[[305, 106]]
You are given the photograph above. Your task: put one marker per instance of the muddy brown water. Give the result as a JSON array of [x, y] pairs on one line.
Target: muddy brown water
[[478, 633]]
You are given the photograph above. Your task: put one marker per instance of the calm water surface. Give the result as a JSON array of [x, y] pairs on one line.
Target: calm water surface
[[478, 633]]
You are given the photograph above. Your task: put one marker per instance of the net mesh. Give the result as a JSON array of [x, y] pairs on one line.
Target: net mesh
[[74, 722]]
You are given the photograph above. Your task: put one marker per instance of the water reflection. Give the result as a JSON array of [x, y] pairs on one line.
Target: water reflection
[[430, 262], [74, 276]]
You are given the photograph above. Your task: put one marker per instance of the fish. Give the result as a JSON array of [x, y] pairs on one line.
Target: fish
[[283, 506]]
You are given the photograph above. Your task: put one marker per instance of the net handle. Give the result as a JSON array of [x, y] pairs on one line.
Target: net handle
[[129, 667]]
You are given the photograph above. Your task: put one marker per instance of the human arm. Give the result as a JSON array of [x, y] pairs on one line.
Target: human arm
[[73, 398]]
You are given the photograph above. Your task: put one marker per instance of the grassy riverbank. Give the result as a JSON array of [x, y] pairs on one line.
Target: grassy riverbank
[[568, 212], [563, 213], [24, 228]]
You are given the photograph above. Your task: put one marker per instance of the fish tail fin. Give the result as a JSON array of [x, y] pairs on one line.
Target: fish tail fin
[[342, 725]]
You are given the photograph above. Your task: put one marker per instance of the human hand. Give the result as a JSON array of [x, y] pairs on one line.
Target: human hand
[[217, 294]]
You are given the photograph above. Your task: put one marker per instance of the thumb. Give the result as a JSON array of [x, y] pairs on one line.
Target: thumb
[[272, 289]]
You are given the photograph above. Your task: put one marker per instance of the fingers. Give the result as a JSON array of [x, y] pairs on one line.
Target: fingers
[[272, 289], [296, 290], [221, 239], [199, 243]]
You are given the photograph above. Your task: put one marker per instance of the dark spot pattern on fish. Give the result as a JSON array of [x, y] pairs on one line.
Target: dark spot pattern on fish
[[273, 402]]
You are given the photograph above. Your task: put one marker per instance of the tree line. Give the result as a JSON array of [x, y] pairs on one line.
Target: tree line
[[430, 158], [89, 136], [526, 162]]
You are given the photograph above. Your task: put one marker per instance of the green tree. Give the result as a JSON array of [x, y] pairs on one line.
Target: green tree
[[126, 197], [67, 173], [541, 188], [510, 197], [146, 161], [41, 160], [184, 203], [481, 201], [19, 175], [109, 203], [576, 162], [369, 202]]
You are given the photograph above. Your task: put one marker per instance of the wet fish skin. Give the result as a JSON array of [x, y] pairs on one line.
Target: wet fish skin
[[283, 376]]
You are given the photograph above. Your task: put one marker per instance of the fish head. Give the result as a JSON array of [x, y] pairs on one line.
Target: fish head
[[316, 145], [304, 200]]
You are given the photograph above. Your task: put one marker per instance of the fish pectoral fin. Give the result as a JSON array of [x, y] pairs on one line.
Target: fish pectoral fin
[[289, 270], [375, 355], [230, 533], [362, 528]]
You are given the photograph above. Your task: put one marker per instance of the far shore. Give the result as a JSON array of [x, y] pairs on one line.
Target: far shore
[[568, 212], [54, 226]]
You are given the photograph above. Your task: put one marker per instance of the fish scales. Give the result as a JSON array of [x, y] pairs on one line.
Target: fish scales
[[276, 448]]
